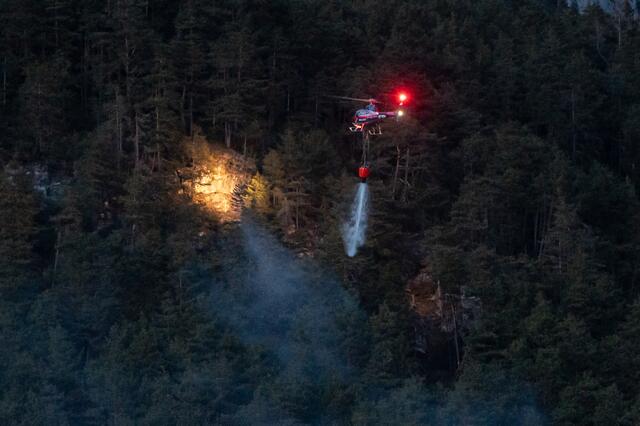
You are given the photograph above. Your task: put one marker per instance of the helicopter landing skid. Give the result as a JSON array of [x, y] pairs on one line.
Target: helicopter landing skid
[[358, 128], [377, 130]]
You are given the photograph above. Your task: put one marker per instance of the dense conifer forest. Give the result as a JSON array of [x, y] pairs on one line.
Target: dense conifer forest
[[512, 181]]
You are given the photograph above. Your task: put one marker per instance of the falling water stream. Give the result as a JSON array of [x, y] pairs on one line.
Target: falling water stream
[[355, 229]]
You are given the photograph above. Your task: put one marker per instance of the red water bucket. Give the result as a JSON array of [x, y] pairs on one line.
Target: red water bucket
[[363, 173]]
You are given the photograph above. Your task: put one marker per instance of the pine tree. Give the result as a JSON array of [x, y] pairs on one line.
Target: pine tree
[[189, 53], [17, 230], [234, 83], [44, 100], [390, 351], [257, 194]]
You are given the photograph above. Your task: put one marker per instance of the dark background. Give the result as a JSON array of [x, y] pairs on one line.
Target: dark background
[[514, 177]]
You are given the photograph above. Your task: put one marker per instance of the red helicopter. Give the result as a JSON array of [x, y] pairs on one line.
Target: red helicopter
[[367, 122]]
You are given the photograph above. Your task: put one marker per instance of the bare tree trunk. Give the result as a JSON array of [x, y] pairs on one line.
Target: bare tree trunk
[[127, 67], [620, 29], [536, 223], [25, 44], [288, 100], [619, 8], [156, 161], [227, 134], [137, 143], [395, 173], [184, 98], [55, 23], [455, 335], [240, 63], [405, 191], [560, 254], [191, 114], [298, 206], [547, 215], [158, 157], [598, 42], [56, 258], [573, 124], [38, 114], [274, 63], [4, 81], [99, 91], [85, 55], [119, 131], [244, 148], [157, 119]]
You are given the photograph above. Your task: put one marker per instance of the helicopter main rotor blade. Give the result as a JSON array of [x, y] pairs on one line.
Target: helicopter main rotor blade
[[354, 99]]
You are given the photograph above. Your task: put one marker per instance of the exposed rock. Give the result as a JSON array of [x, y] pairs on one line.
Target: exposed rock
[[440, 318], [43, 183], [216, 179]]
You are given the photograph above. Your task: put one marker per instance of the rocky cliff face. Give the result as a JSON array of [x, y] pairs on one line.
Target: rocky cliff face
[[49, 187], [216, 179], [440, 319]]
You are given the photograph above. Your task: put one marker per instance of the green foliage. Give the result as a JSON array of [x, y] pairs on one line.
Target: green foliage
[[18, 209], [485, 395], [257, 195]]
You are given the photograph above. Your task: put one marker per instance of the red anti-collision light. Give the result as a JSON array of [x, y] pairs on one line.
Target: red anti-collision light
[[402, 98]]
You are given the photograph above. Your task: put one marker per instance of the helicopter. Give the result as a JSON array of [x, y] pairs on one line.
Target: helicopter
[[366, 121]]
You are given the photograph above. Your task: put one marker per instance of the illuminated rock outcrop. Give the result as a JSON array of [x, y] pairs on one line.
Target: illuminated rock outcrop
[[216, 179]]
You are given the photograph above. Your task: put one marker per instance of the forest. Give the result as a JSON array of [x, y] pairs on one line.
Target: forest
[[511, 181]]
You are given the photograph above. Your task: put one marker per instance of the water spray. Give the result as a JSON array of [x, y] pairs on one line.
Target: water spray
[[354, 231]]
